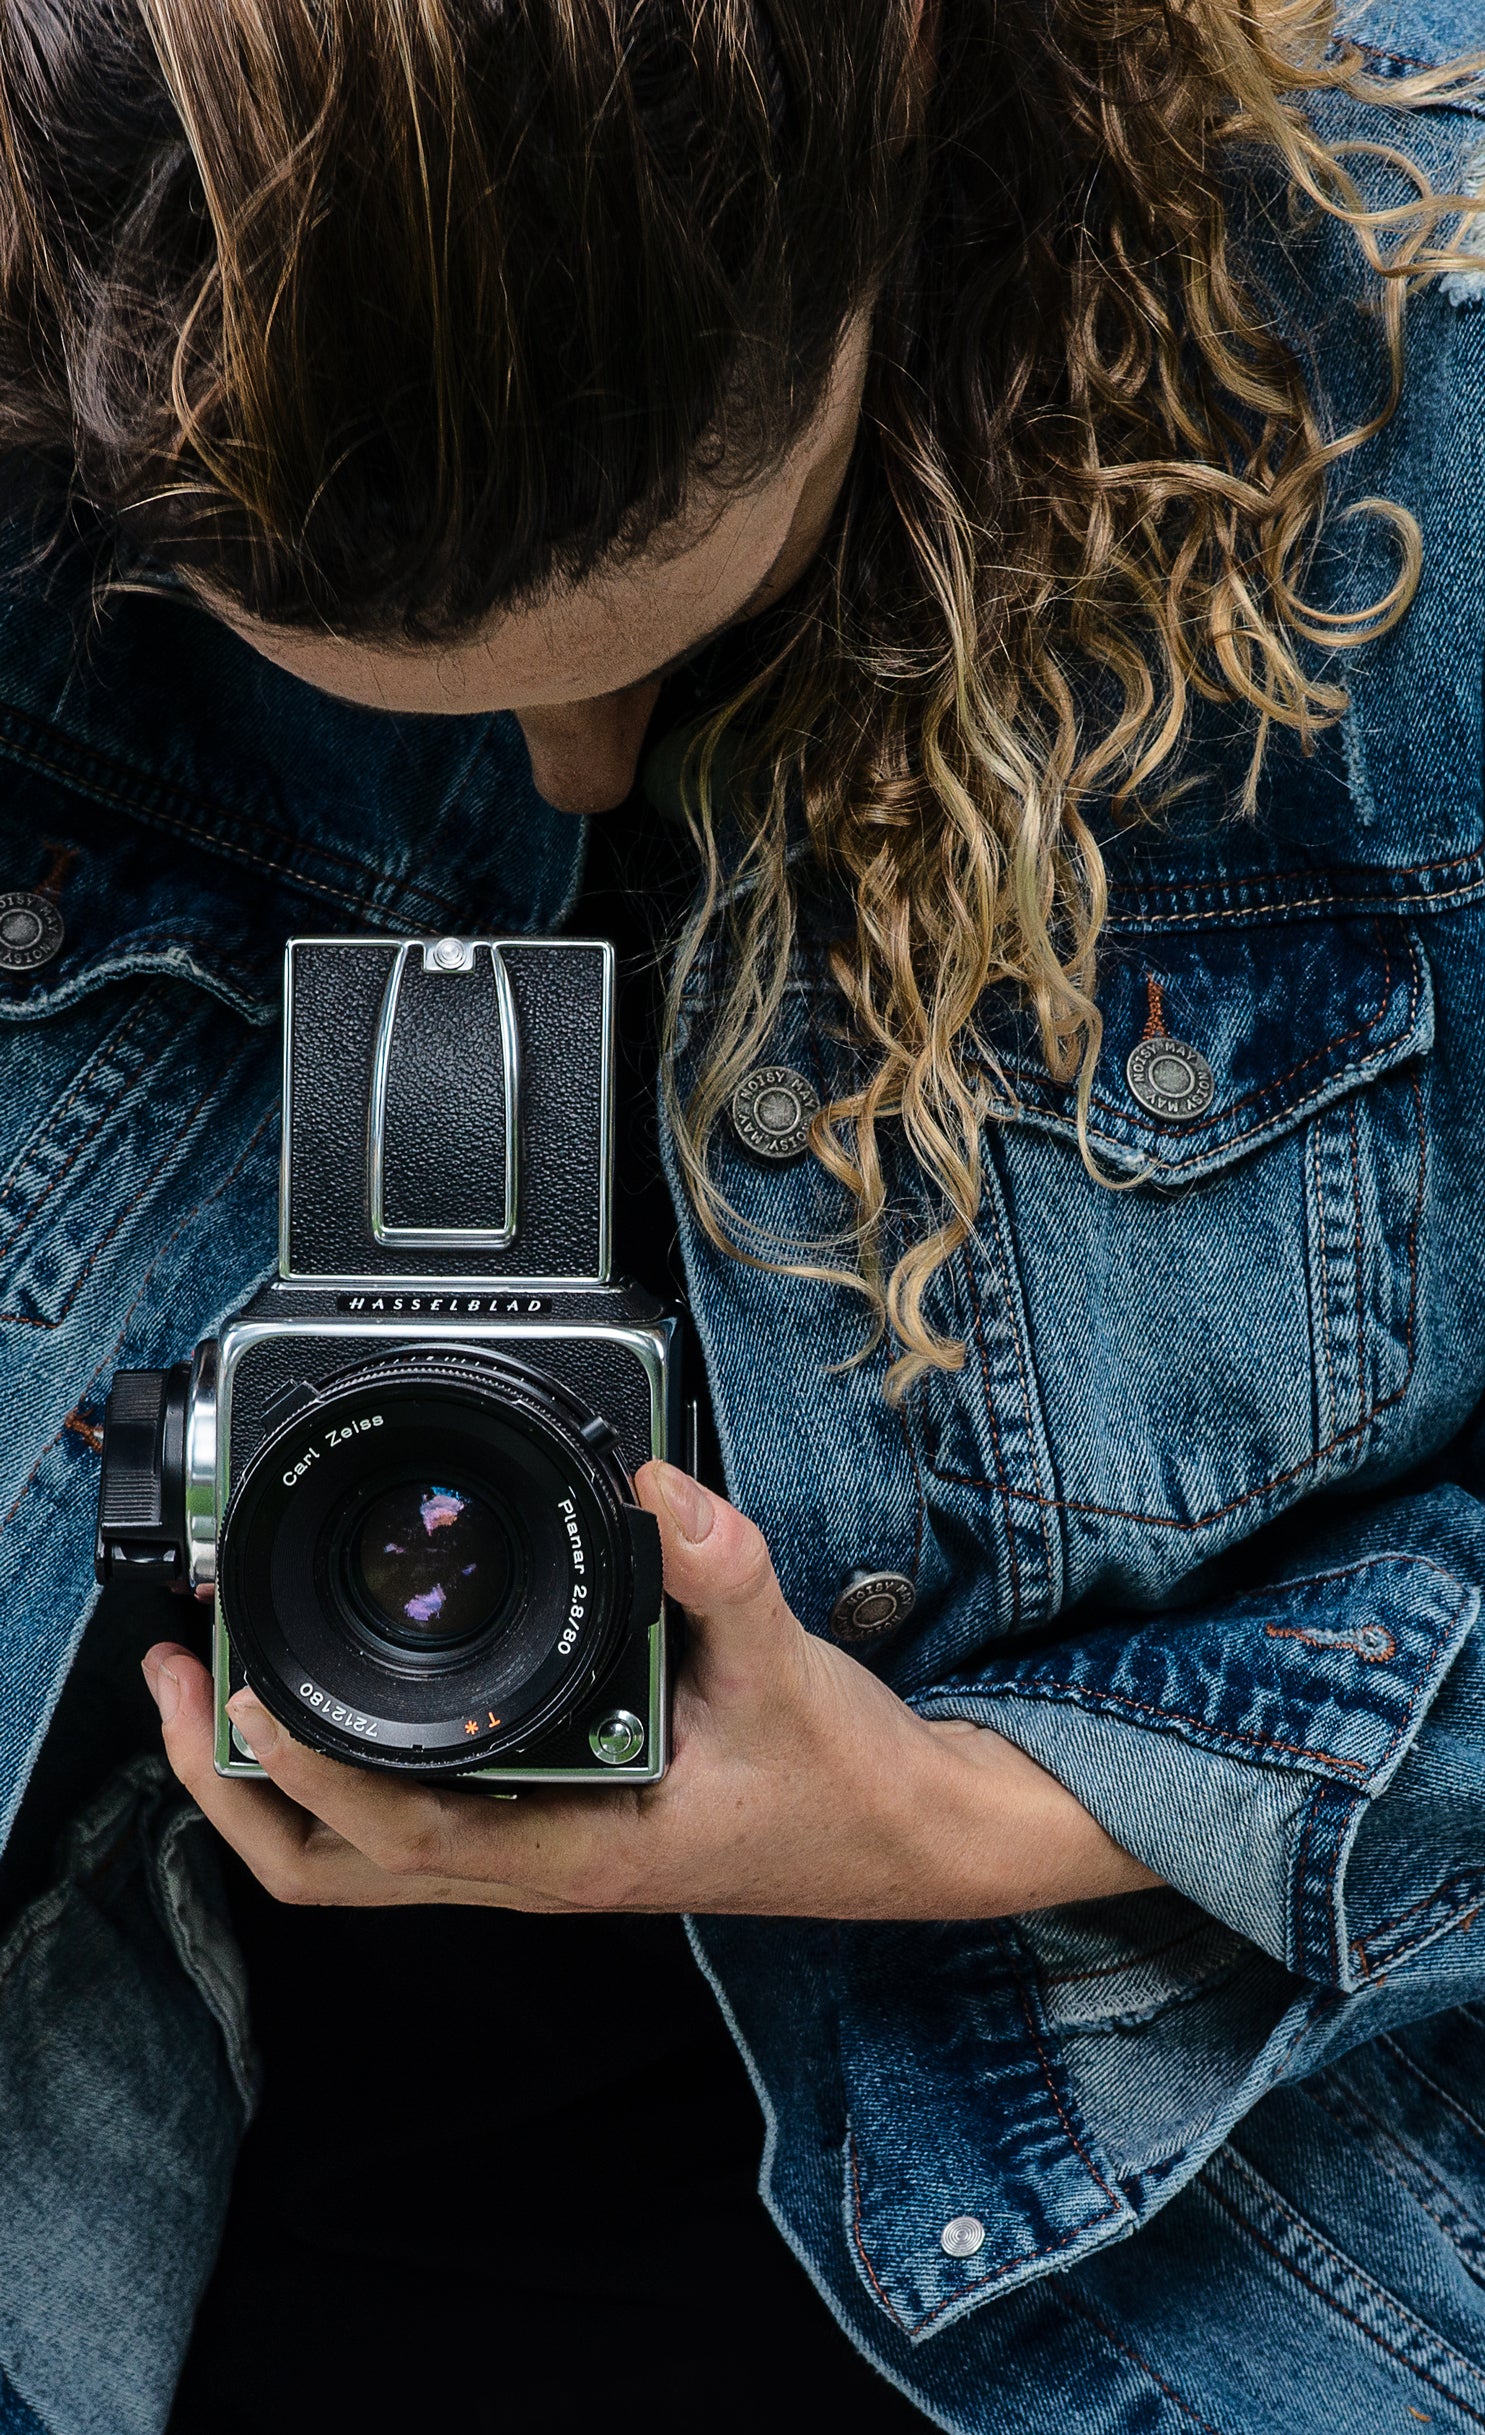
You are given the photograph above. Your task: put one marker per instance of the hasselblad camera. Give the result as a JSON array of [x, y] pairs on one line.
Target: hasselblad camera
[[404, 1472]]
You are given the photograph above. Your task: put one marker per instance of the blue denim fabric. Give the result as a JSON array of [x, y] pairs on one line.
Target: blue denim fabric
[[1184, 1527]]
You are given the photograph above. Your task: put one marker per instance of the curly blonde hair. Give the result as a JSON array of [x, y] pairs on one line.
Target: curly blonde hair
[[382, 316], [1092, 472]]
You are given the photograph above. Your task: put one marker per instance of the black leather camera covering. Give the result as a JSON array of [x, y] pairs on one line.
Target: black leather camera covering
[[444, 1160], [448, 1110]]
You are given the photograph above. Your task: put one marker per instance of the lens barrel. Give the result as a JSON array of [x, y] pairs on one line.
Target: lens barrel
[[431, 1560]]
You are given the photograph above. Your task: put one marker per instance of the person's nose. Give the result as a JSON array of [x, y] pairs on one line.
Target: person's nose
[[584, 754]]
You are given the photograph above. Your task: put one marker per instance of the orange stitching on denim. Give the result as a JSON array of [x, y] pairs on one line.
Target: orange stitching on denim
[[1003, 1259], [1471, 1878], [1051, 1686], [857, 2232], [1074, 2142], [1156, 1027], [1079, 2308], [1029, 2256], [1336, 1640], [1308, 2232], [87, 1430], [176, 1232], [1275, 1082]]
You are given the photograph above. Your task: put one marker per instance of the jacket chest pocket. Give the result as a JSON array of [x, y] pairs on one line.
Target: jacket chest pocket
[[1159, 1360]]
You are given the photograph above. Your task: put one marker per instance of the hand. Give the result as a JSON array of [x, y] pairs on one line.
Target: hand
[[800, 1786]]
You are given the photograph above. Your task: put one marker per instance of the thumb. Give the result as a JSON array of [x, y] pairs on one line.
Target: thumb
[[717, 1566]]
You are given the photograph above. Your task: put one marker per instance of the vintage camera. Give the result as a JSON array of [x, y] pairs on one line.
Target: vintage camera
[[404, 1470]]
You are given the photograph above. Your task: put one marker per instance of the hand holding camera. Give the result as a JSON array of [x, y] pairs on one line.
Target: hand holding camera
[[423, 1479], [799, 1786]]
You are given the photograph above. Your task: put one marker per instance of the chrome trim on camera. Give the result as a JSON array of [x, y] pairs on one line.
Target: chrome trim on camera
[[201, 1472], [603, 1266], [652, 1347], [443, 1238]]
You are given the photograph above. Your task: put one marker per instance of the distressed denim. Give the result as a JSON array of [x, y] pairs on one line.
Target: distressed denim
[[1199, 1524]]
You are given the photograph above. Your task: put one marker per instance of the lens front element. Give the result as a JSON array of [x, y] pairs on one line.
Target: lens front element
[[427, 1563]]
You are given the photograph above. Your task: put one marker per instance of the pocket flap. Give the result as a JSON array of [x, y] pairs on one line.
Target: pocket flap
[[127, 909], [1264, 1026]]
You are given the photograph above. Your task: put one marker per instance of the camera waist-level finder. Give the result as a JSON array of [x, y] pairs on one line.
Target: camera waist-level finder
[[404, 1471]]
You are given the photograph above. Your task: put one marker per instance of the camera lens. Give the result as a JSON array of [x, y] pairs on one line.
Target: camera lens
[[426, 1562], [432, 1559]]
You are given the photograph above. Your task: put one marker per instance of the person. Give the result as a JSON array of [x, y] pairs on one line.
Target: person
[[986, 503]]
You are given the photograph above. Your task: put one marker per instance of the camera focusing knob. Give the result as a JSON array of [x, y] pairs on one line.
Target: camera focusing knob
[[598, 1433], [142, 1496]]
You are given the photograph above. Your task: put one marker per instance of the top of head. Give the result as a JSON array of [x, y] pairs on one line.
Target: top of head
[[447, 1111]]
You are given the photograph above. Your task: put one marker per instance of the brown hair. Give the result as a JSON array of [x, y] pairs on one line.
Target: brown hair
[[383, 315]]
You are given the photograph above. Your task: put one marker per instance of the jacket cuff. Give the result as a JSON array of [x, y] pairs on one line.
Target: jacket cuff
[[1237, 1749]]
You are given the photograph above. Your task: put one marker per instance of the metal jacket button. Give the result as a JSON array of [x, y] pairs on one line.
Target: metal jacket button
[[963, 2237], [772, 1109], [31, 931], [1169, 1079], [871, 1604]]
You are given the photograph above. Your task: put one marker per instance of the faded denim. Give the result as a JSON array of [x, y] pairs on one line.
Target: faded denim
[[1199, 1525]]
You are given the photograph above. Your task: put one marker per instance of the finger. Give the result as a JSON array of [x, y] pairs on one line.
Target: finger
[[321, 1833], [289, 1852], [449, 1844], [717, 1566]]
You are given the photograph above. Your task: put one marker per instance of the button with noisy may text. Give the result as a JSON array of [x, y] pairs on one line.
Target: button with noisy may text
[[772, 1110], [1169, 1079], [871, 1605], [31, 931]]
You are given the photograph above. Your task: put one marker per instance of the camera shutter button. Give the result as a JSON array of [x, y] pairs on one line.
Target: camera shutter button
[[618, 1738]]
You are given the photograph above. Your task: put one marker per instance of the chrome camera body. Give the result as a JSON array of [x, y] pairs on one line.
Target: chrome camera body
[[403, 1473]]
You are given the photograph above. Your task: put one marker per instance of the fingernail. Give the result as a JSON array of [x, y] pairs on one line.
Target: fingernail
[[257, 1727], [691, 1507], [164, 1689]]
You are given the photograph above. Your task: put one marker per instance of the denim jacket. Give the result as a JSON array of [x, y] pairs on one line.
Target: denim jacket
[[1198, 1524]]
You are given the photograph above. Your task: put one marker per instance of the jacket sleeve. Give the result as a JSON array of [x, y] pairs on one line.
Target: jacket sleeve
[[1305, 1761]]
